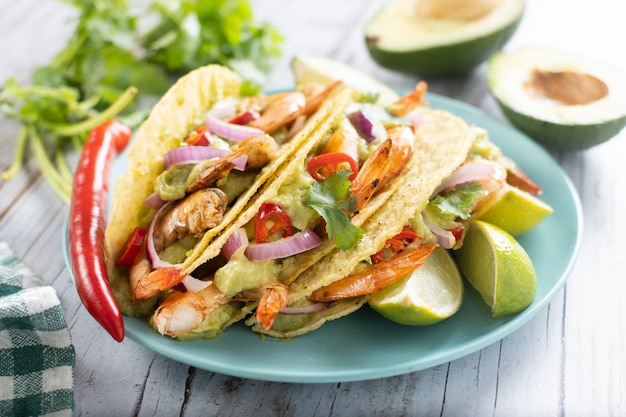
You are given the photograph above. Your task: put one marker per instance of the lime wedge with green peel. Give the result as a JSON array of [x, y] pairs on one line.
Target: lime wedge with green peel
[[498, 267], [430, 294], [319, 70], [515, 211]]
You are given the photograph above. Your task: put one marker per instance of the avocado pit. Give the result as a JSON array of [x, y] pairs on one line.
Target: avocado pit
[[567, 87], [561, 99]]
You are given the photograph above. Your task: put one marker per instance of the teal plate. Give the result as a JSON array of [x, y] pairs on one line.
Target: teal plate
[[364, 345]]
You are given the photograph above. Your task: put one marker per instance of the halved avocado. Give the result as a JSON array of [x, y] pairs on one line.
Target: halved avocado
[[562, 100], [437, 38]]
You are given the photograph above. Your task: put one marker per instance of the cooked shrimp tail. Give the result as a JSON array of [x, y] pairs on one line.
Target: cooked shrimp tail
[[156, 281], [375, 277], [273, 299], [409, 102]]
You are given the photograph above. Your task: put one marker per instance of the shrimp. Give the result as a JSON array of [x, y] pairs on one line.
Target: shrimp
[[278, 110], [344, 139], [408, 102], [182, 312], [516, 177], [283, 108], [193, 215], [383, 164], [260, 150], [374, 277], [160, 279], [139, 269], [273, 299], [216, 170], [146, 283]]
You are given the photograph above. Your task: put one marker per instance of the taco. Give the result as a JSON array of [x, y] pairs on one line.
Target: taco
[[454, 174], [228, 169], [313, 205], [193, 277]]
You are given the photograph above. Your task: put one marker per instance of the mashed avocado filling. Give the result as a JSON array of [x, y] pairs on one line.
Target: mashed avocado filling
[[239, 273]]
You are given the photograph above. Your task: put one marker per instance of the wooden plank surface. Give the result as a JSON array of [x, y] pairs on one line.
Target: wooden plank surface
[[567, 361]]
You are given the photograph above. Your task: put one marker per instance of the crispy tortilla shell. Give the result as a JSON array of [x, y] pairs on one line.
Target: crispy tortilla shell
[[292, 157], [442, 143], [181, 109]]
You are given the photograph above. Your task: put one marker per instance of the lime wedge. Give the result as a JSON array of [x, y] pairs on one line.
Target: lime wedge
[[498, 267], [318, 70], [430, 294], [514, 211]]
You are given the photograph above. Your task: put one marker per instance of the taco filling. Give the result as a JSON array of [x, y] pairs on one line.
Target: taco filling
[[313, 206], [407, 228]]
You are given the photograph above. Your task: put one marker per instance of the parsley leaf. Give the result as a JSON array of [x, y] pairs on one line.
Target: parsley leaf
[[330, 199]]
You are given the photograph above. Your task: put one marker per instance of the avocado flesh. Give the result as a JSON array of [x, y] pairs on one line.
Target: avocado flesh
[[398, 39], [550, 121]]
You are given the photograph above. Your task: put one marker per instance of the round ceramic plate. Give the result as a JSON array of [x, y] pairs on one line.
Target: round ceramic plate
[[364, 345]]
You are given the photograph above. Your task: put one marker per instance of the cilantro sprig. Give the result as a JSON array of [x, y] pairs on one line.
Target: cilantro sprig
[[330, 198], [116, 53]]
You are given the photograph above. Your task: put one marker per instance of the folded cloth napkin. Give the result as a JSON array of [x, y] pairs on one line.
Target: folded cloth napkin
[[36, 352]]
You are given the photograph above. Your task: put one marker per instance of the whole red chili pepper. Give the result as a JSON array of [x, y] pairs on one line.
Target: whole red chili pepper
[[87, 223]]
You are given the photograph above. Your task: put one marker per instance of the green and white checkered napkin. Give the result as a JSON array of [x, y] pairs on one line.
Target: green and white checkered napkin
[[36, 352]]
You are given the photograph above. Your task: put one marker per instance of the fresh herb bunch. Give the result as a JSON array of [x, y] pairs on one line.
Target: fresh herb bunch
[[108, 61]]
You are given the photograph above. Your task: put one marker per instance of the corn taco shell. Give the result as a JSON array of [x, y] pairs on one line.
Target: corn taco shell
[[177, 113], [182, 107], [442, 143], [280, 170]]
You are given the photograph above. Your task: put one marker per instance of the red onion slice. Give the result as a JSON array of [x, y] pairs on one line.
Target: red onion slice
[[445, 238], [414, 116], [195, 154], [477, 171], [368, 128], [194, 284], [224, 110], [282, 248], [154, 201], [235, 242], [230, 131], [151, 252], [308, 309]]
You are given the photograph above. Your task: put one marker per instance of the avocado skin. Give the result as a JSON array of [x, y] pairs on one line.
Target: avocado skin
[[445, 60], [560, 136]]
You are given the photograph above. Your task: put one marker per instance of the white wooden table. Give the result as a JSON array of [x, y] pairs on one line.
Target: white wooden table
[[568, 361]]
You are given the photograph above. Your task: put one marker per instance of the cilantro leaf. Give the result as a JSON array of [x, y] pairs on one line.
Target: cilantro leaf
[[458, 202], [108, 59], [330, 199]]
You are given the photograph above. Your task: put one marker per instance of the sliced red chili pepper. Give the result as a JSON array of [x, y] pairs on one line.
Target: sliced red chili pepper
[[323, 166], [132, 247], [457, 233], [87, 223], [199, 137], [396, 244], [245, 117], [271, 223]]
